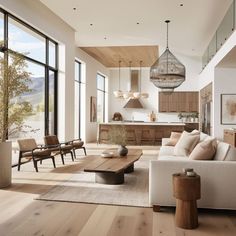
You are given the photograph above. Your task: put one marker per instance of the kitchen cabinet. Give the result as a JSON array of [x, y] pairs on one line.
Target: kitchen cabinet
[[178, 102], [230, 137]]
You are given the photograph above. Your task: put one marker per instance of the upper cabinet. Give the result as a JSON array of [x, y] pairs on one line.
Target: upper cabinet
[[178, 102]]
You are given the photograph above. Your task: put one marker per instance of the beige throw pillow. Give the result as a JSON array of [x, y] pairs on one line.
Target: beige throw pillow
[[195, 131], [174, 138], [186, 144], [204, 150]]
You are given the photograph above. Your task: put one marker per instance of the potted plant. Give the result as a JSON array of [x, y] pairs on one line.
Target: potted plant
[[117, 135], [180, 116], [14, 82]]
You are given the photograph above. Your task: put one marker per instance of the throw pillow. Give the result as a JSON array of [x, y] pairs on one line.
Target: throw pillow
[[203, 136], [222, 151], [205, 150], [174, 138], [186, 144], [195, 131]]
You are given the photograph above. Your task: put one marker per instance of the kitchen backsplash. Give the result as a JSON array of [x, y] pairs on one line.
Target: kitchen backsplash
[[143, 115]]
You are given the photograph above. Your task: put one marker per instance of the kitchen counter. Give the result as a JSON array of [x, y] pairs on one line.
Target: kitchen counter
[[140, 133], [144, 123]]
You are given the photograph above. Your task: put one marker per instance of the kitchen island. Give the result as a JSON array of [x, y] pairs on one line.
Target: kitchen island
[[140, 133]]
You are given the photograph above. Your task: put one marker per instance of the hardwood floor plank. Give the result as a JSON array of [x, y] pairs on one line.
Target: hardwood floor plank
[[163, 224], [143, 222], [122, 225], [79, 216], [100, 221]]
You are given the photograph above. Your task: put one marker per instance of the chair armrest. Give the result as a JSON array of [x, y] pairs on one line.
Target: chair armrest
[[40, 148], [52, 146], [66, 143], [77, 139]]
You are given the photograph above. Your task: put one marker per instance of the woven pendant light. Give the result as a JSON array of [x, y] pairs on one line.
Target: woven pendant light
[[167, 73]]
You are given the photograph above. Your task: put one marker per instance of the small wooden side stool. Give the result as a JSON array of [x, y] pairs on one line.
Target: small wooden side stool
[[187, 190]]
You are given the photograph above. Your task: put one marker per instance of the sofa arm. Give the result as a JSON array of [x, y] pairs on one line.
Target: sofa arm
[[217, 182]]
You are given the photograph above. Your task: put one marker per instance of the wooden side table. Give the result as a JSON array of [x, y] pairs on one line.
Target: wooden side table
[[187, 190]]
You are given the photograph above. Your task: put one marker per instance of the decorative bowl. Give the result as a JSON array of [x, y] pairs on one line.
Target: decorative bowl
[[107, 154]]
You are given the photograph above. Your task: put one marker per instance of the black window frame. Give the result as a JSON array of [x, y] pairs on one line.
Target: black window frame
[[104, 93], [46, 65], [79, 83]]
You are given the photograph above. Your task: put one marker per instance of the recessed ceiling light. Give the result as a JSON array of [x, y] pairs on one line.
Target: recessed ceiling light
[[137, 23], [91, 24], [74, 8], [181, 4]]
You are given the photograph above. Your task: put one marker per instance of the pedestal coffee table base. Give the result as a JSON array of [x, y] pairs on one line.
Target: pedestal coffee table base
[[129, 169], [110, 178]]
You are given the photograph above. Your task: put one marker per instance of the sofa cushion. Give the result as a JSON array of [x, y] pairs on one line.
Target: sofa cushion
[[203, 136], [166, 151], [174, 138], [221, 151], [186, 144], [164, 141], [204, 150]]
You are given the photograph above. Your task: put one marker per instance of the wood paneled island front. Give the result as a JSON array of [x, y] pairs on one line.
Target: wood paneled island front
[[140, 133]]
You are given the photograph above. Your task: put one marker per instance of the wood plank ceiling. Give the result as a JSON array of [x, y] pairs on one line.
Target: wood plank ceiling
[[110, 56]]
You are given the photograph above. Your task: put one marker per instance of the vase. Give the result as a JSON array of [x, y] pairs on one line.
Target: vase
[[5, 164], [122, 150]]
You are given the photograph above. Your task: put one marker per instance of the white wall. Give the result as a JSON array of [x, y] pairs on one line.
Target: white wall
[[41, 18], [92, 68], [225, 79], [193, 66], [221, 83]]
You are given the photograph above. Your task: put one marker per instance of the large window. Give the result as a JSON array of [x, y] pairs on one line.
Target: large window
[[40, 54], [24, 40], [101, 98], [79, 99]]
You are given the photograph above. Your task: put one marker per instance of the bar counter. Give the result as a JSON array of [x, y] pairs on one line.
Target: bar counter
[[140, 133]]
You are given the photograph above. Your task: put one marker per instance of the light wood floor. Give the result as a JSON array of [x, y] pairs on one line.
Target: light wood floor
[[20, 214]]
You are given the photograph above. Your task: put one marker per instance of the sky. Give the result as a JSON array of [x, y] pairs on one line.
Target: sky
[[23, 40]]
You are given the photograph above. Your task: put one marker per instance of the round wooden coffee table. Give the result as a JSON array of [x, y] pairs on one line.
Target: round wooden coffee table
[[186, 191]]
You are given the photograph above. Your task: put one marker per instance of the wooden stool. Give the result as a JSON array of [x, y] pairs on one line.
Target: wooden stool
[[186, 191]]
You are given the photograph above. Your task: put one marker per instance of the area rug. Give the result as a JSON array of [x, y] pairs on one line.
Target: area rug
[[81, 187]]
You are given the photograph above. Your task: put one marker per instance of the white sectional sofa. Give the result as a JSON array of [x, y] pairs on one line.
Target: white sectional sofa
[[218, 177]]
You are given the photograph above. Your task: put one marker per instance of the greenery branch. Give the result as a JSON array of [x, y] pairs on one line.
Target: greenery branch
[[118, 135], [14, 82]]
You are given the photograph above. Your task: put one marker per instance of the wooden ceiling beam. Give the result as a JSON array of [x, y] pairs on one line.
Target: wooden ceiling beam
[[110, 56]]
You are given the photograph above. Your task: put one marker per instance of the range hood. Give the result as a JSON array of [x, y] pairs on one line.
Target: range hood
[[133, 103]]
